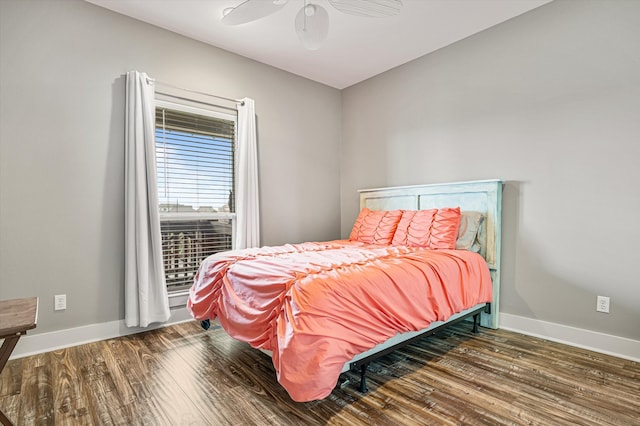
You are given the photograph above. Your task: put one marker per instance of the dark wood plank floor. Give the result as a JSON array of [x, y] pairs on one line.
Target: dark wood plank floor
[[183, 375]]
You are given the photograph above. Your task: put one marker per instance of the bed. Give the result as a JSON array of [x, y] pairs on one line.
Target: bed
[[322, 308]]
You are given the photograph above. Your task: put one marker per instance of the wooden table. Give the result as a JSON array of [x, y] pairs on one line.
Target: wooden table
[[17, 316]]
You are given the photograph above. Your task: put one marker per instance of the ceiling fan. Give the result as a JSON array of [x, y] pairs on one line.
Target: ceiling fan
[[312, 21]]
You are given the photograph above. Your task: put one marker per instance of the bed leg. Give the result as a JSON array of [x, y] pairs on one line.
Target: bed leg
[[476, 319], [363, 378]]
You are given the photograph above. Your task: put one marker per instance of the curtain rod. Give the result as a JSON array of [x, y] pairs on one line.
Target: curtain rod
[[237, 101]]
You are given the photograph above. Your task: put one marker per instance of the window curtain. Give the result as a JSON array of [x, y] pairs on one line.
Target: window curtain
[[247, 209], [146, 298]]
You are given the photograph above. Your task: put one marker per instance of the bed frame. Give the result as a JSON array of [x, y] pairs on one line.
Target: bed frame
[[481, 196]]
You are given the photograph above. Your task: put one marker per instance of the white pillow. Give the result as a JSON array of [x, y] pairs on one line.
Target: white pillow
[[468, 231]]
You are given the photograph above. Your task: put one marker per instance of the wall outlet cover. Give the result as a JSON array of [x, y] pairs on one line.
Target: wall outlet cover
[[60, 302], [602, 304]]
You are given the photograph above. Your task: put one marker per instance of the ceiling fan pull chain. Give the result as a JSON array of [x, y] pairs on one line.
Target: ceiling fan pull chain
[[304, 28]]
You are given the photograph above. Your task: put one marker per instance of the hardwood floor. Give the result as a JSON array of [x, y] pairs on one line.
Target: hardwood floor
[[183, 375]]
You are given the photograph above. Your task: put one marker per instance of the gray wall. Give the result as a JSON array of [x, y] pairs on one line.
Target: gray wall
[[550, 102], [62, 148]]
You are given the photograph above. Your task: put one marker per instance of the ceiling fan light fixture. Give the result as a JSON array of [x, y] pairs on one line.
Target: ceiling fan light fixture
[[312, 29]]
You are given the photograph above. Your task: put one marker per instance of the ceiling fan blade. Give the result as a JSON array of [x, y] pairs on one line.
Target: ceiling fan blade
[[368, 8], [312, 26], [252, 10]]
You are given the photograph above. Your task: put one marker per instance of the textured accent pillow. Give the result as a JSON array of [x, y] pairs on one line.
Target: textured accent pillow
[[375, 226], [468, 232], [414, 228], [355, 230], [444, 231], [433, 228]]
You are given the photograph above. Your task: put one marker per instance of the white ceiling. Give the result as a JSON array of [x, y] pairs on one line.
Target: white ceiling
[[356, 48]]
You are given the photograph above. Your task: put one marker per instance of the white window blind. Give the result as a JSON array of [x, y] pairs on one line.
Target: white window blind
[[195, 168]]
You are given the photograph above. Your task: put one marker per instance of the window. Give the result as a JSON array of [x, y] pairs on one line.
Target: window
[[195, 168]]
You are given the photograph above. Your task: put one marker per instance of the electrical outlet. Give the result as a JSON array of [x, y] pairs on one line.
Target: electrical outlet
[[60, 302], [602, 305]]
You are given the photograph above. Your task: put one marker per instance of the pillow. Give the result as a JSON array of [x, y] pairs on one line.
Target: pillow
[[444, 231], [434, 228], [468, 232], [375, 226], [355, 230], [414, 228]]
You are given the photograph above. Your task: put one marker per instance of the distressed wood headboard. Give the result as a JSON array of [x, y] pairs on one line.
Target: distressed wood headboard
[[481, 196]]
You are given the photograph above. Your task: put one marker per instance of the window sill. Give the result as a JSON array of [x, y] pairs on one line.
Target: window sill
[[178, 299]]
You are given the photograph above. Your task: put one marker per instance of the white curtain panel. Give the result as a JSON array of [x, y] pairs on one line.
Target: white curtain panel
[[146, 298], [247, 208]]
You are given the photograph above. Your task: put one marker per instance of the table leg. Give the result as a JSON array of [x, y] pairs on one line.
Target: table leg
[[4, 420], [8, 346]]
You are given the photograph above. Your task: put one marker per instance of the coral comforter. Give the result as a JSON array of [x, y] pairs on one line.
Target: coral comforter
[[316, 305]]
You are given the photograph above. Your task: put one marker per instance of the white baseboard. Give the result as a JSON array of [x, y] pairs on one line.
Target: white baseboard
[[592, 340], [45, 342]]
